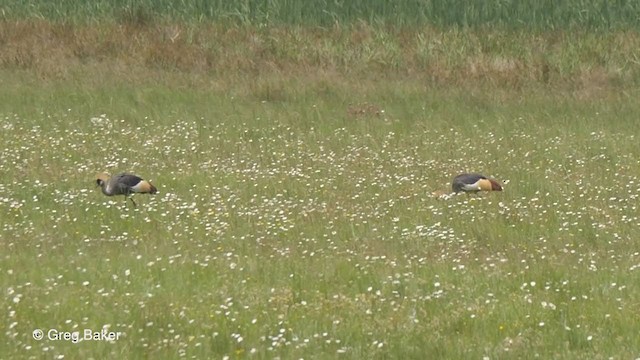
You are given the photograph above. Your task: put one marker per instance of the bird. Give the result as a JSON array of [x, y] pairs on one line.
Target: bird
[[124, 184], [472, 183]]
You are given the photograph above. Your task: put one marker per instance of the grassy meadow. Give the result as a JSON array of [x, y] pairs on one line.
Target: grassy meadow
[[296, 166]]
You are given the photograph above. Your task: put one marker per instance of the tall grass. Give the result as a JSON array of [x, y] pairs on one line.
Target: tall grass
[[530, 14], [196, 53]]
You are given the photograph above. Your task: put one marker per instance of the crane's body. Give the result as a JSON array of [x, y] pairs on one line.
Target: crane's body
[[124, 184], [472, 183]]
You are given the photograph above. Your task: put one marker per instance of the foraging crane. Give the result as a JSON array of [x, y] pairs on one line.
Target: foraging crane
[[472, 183], [124, 184]]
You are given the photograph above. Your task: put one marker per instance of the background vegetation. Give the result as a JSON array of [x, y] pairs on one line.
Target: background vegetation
[[296, 150], [530, 14]]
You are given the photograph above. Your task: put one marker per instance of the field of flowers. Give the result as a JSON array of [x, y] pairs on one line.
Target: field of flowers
[[301, 156], [308, 229]]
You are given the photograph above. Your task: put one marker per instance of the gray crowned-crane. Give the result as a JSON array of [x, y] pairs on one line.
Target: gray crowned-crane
[[124, 184], [472, 183]]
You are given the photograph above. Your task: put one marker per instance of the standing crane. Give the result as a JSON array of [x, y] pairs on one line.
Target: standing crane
[[124, 184], [472, 183]]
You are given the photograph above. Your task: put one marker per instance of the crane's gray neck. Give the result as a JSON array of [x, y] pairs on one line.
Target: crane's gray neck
[[106, 189]]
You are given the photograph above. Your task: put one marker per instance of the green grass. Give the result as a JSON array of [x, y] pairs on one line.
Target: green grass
[[310, 237], [295, 216], [531, 14]]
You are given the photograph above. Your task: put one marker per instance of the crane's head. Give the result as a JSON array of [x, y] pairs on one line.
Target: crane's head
[[102, 178]]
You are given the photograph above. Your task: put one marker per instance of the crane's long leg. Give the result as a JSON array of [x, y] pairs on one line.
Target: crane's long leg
[[129, 197]]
